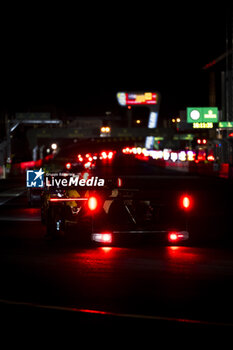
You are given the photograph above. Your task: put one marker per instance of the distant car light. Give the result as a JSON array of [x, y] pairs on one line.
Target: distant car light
[[87, 165], [110, 155], [68, 166], [104, 155]]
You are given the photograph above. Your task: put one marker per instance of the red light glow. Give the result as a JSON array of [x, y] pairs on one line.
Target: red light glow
[[106, 237], [102, 237], [104, 155], [172, 237], [106, 249], [186, 202], [67, 199], [110, 155], [92, 203]]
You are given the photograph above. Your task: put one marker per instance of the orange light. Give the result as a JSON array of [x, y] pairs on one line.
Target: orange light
[[106, 249], [92, 203]]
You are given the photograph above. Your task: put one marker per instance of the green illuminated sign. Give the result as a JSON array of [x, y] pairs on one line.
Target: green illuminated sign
[[202, 115], [183, 137], [225, 125]]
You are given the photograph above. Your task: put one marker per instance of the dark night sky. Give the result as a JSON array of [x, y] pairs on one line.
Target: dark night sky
[[78, 59]]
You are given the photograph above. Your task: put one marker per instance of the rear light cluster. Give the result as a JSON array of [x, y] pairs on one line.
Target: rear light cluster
[[175, 237], [102, 237], [172, 237], [92, 157]]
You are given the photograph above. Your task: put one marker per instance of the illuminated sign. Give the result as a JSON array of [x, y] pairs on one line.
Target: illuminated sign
[[149, 144], [202, 115], [137, 98], [225, 125], [203, 125], [153, 118]]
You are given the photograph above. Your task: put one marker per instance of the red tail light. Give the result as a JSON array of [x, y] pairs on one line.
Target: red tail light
[[172, 237], [102, 237], [186, 202], [68, 166], [177, 236], [92, 203]]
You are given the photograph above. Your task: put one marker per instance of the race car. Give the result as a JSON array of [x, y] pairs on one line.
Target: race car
[[113, 214]]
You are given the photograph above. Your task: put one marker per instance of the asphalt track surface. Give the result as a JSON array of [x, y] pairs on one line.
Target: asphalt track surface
[[143, 292]]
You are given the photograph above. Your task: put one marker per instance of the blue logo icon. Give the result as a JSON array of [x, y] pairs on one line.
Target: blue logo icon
[[35, 178]]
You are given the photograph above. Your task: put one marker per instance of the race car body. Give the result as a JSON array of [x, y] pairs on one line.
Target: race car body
[[112, 215]]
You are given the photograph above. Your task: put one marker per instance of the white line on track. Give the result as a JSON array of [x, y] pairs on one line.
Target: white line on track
[[9, 194], [114, 314], [13, 218]]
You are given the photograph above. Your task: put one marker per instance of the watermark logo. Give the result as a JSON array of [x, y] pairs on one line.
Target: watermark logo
[[35, 178], [40, 179]]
